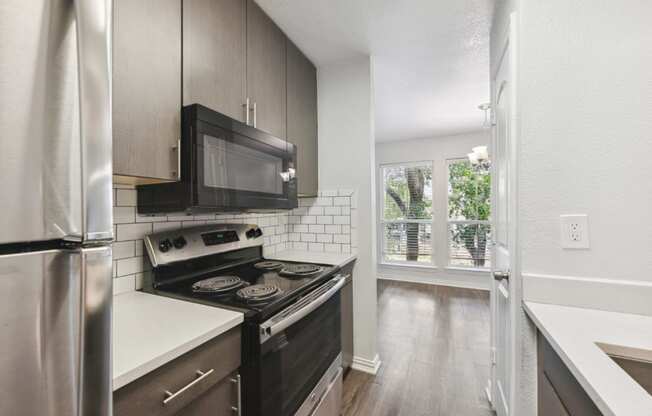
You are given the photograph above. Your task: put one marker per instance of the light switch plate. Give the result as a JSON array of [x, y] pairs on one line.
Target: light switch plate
[[575, 231]]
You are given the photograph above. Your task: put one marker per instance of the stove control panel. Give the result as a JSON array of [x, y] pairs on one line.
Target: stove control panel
[[176, 245]]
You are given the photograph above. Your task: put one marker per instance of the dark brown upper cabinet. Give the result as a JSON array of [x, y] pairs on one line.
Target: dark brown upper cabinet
[[214, 55], [266, 85], [302, 117], [146, 89]]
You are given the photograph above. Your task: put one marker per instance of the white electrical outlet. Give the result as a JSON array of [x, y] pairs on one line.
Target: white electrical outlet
[[574, 231]]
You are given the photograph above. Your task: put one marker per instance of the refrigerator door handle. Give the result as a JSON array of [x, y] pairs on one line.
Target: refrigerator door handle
[[94, 57], [96, 332]]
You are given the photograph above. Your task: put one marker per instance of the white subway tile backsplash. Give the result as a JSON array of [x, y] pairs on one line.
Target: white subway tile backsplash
[[308, 237], [342, 219], [324, 238], [326, 223], [316, 228], [300, 246], [133, 231], [332, 248], [342, 238], [324, 201], [125, 197], [130, 266], [333, 229], [170, 225], [123, 249], [324, 219], [308, 219], [315, 247], [122, 215], [332, 210], [124, 284]]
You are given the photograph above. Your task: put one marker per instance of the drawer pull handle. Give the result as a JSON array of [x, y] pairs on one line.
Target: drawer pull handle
[[169, 396], [238, 384]]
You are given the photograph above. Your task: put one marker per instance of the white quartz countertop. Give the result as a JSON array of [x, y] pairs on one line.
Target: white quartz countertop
[[574, 332], [150, 330], [334, 259]]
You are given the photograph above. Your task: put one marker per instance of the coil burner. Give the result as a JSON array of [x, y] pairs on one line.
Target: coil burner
[[217, 285], [258, 293], [269, 265], [300, 270]]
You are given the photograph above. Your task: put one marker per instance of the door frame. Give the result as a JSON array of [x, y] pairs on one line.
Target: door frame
[[509, 39]]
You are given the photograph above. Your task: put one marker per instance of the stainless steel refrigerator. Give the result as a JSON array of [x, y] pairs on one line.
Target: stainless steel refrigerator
[[55, 207]]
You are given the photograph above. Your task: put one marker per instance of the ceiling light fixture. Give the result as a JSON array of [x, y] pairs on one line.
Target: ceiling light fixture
[[486, 107]]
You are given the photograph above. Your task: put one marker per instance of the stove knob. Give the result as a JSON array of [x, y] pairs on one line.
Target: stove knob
[[179, 242], [251, 233], [259, 232], [164, 245]]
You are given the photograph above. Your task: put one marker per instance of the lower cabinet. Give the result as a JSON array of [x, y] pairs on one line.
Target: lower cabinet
[[559, 393], [202, 382]]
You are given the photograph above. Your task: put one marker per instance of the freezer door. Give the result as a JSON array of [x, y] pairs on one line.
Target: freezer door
[[55, 120], [55, 323]]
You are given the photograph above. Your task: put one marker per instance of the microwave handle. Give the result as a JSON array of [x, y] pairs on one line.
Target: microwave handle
[[301, 309]]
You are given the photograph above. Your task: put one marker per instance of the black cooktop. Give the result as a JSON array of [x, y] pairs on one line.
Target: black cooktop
[[263, 290]]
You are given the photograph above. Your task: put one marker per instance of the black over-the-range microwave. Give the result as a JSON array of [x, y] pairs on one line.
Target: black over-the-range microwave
[[226, 165]]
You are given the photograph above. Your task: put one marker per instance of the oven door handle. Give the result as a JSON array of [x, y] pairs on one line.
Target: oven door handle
[[301, 308]]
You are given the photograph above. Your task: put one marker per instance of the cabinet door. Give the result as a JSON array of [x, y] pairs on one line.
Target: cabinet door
[[266, 71], [214, 55], [302, 117], [146, 87]]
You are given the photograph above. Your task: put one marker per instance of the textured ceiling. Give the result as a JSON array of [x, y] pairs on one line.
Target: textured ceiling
[[431, 57]]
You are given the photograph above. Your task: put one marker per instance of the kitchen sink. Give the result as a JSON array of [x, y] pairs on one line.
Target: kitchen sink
[[634, 361]]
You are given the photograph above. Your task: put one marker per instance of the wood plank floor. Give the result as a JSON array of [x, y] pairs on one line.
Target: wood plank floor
[[434, 346]]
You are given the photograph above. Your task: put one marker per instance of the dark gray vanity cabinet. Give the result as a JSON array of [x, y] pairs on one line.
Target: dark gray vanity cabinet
[[559, 393], [302, 117], [202, 382], [266, 88], [146, 89], [214, 55]]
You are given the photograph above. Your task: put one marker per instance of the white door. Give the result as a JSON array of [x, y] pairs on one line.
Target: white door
[[503, 287]]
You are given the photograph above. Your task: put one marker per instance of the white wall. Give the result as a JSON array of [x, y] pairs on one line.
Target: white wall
[[586, 108], [584, 105], [346, 160], [438, 150]]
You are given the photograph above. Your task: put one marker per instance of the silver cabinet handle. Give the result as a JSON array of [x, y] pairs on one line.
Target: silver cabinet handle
[[169, 396], [246, 106], [238, 383], [255, 115], [177, 149], [500, 275]]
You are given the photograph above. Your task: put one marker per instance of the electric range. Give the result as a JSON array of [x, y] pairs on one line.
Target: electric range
[[291, 335]]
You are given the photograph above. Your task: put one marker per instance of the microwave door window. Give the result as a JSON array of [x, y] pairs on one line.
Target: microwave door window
[[229, 165]]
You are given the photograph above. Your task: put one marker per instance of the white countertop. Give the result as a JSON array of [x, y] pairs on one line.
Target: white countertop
[[573, 333], [150, 330], [334, 259]]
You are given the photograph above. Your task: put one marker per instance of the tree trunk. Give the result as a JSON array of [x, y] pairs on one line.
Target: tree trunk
[[416, 182]]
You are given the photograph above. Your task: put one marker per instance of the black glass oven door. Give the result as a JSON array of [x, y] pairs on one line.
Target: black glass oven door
[[293, 361]]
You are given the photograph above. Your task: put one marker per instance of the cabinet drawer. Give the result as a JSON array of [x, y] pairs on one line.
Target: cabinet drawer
[[216, 360], [566, 388]]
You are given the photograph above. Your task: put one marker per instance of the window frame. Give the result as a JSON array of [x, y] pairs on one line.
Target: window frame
[[450, 222], [382, 222]]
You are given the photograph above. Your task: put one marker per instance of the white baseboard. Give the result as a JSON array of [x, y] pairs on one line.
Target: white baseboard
[[365, 365], [435, 281], [628, 296]]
